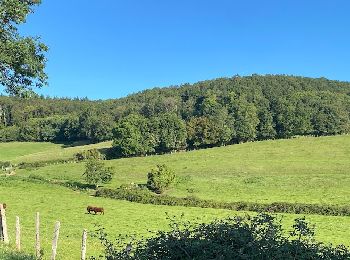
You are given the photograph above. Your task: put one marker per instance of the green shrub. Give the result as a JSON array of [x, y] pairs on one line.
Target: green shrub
[[248, 237], [160, 178], [33, 165], [9, 134], [89, 154], [96, 172]]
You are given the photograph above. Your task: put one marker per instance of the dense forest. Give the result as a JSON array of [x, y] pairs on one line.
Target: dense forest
[[205, 114]]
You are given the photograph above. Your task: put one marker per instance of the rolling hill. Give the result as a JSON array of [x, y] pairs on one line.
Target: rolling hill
[[305, 169]]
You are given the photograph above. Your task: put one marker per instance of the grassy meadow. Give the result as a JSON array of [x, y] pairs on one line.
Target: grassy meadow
[[304, 170], [307, 170], [34, 151], [121, 217], [69, 207]]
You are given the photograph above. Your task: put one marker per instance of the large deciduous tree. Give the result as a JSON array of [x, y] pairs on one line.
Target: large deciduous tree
[[133, 136], [246, 120], [22, 59], [96, 125], [171, 132]]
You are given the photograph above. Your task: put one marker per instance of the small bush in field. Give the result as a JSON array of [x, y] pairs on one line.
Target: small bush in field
[[96, 172], [160, 178], [89, 154]]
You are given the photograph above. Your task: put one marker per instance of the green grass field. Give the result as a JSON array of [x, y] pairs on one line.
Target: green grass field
[[309, 170], [69, 207], [33, 152], [306, 170]]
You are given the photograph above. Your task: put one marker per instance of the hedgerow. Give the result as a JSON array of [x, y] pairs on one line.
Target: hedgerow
[[38, 164], [134, 193], [250, 237]]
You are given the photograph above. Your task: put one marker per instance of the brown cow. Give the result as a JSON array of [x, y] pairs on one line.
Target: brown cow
[[95, 210]]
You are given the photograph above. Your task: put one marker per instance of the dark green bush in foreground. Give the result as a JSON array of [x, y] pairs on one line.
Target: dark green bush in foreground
[[258, 237], [141, 195]]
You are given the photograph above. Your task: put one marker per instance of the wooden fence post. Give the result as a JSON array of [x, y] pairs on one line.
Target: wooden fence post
[[18, 234], [37, 235], [1, 233], [55, 240], [83, 245], [3, 225]]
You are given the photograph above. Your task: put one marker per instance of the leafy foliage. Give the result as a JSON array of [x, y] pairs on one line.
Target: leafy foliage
[[248, 237], [160, 178], [96, 172], [206, 114], [22, 59], [89, 154], [132, 136], [246, 120], [169, 131], [95, 126]]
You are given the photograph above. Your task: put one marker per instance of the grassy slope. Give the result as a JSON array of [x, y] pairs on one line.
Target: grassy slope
[[58, 203], [304, 169], [32, 152], [309, 170]]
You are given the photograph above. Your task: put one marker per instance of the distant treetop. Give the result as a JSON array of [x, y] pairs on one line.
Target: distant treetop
[[205, 114]]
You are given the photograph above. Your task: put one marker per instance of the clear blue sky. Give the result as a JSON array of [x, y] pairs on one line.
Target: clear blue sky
[[111, 48]]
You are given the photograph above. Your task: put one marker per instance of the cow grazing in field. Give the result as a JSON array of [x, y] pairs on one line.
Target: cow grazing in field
[[4, 205], [95, 210]]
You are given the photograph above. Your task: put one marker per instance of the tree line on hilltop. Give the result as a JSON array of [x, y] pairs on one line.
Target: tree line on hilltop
[[206, 114]]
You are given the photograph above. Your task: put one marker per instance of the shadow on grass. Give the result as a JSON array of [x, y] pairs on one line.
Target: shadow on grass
[[109, 153], [74, 143]]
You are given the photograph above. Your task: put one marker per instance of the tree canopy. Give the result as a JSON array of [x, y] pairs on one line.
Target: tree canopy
[[206, 114], [22, 59]]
